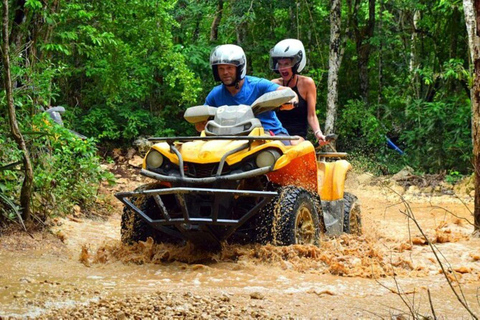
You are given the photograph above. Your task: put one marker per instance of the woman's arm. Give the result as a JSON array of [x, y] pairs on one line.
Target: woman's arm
[[312, 119]]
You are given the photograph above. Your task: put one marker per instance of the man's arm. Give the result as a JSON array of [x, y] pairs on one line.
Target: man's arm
[[200, 126], [277, 81], [209, 101], [290, 104]]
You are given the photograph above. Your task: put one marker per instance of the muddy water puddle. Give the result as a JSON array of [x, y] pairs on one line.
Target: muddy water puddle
[[348, 277], [61, 284], [308, 291]]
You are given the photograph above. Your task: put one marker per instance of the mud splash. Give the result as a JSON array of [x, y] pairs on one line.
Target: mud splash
[[347, 255]]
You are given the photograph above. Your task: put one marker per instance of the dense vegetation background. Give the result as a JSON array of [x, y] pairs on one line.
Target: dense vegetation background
[[128, 68]]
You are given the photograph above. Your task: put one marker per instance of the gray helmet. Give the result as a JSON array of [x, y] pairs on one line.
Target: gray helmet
[[228, 54], [288, 49]]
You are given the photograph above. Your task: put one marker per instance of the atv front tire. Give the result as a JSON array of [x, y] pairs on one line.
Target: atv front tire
[[295, 217], [352, 221], [134, 228]]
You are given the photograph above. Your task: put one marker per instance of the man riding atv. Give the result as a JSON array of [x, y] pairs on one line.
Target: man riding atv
[[238, 182], [229, 65]]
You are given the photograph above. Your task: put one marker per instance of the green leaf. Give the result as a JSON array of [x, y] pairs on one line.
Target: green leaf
[[33, 4]]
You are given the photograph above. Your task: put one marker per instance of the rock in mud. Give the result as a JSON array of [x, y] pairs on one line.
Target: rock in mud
[[257, 296], [165, 305]]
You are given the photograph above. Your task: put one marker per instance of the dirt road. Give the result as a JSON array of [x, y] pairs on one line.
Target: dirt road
[[81, 270]]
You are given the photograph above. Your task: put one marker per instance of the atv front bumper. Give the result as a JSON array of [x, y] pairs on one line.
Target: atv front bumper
[[189, 226]]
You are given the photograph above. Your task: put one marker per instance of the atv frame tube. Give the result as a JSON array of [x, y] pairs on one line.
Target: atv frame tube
[[239, 176]]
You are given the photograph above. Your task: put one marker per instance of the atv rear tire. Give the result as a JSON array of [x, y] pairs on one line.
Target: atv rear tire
[[134, 228], [352, 221], [295, 217]]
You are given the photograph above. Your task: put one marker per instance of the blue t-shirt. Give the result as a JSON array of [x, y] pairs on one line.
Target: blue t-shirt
[[252, 88]]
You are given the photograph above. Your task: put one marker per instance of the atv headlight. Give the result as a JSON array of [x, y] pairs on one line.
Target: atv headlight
[[267, 158], [154, 159]]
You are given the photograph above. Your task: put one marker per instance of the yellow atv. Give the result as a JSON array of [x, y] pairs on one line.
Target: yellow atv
[[238, 183]]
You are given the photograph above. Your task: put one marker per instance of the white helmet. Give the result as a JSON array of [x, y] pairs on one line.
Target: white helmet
[[228, 54], [288, 49]]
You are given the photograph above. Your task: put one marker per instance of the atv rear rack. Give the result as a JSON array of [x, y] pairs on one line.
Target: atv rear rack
[[331, 154]]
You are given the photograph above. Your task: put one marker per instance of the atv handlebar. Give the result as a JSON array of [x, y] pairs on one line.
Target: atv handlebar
[[331, 137], [322, 155]]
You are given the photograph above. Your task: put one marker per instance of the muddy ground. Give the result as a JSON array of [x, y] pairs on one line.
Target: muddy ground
[[80, 270]]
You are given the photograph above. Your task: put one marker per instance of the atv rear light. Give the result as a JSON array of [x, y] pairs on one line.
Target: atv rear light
[[154, 159], [267, 158]]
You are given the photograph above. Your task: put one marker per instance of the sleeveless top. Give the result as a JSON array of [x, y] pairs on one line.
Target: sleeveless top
[[295, 120]]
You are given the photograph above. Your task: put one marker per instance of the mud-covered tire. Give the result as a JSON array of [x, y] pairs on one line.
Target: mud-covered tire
[[352, 221], [134, 228], [293, 218]]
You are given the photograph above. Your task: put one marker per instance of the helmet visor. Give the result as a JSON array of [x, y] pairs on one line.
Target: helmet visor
[[277, 64], [283, 62]]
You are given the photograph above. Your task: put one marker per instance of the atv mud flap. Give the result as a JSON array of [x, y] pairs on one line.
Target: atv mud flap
[[197, 229], [333, 216]]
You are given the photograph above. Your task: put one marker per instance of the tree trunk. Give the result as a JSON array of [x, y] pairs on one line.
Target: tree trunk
[[472, 20], [362, 37], [241, 31], [454, 31], [471, 27], [216, 22], [26, 192], [476, 118], [334, 62], [18, 21], [413, 65], [380, 59]]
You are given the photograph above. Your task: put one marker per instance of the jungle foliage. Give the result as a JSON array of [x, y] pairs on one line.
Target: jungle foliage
[[127, 68]]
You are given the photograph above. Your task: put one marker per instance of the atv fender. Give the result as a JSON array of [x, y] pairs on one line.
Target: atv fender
[[331, 179], [164, 149], [298, 167], [331, 182]]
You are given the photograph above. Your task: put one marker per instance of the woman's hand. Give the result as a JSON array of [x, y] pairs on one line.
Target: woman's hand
[[321, 138]]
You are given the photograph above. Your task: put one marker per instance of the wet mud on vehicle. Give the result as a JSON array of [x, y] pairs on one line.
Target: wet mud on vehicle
[[237, 183]]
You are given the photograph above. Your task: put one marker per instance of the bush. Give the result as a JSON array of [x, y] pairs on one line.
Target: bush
[[67, 169], [9, 156], [439, 135]]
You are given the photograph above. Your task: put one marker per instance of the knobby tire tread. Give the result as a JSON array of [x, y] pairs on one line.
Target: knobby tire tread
[[349, 201]]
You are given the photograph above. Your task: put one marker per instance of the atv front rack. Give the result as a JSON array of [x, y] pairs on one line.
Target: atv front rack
[[186, 223], [253, 138]]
